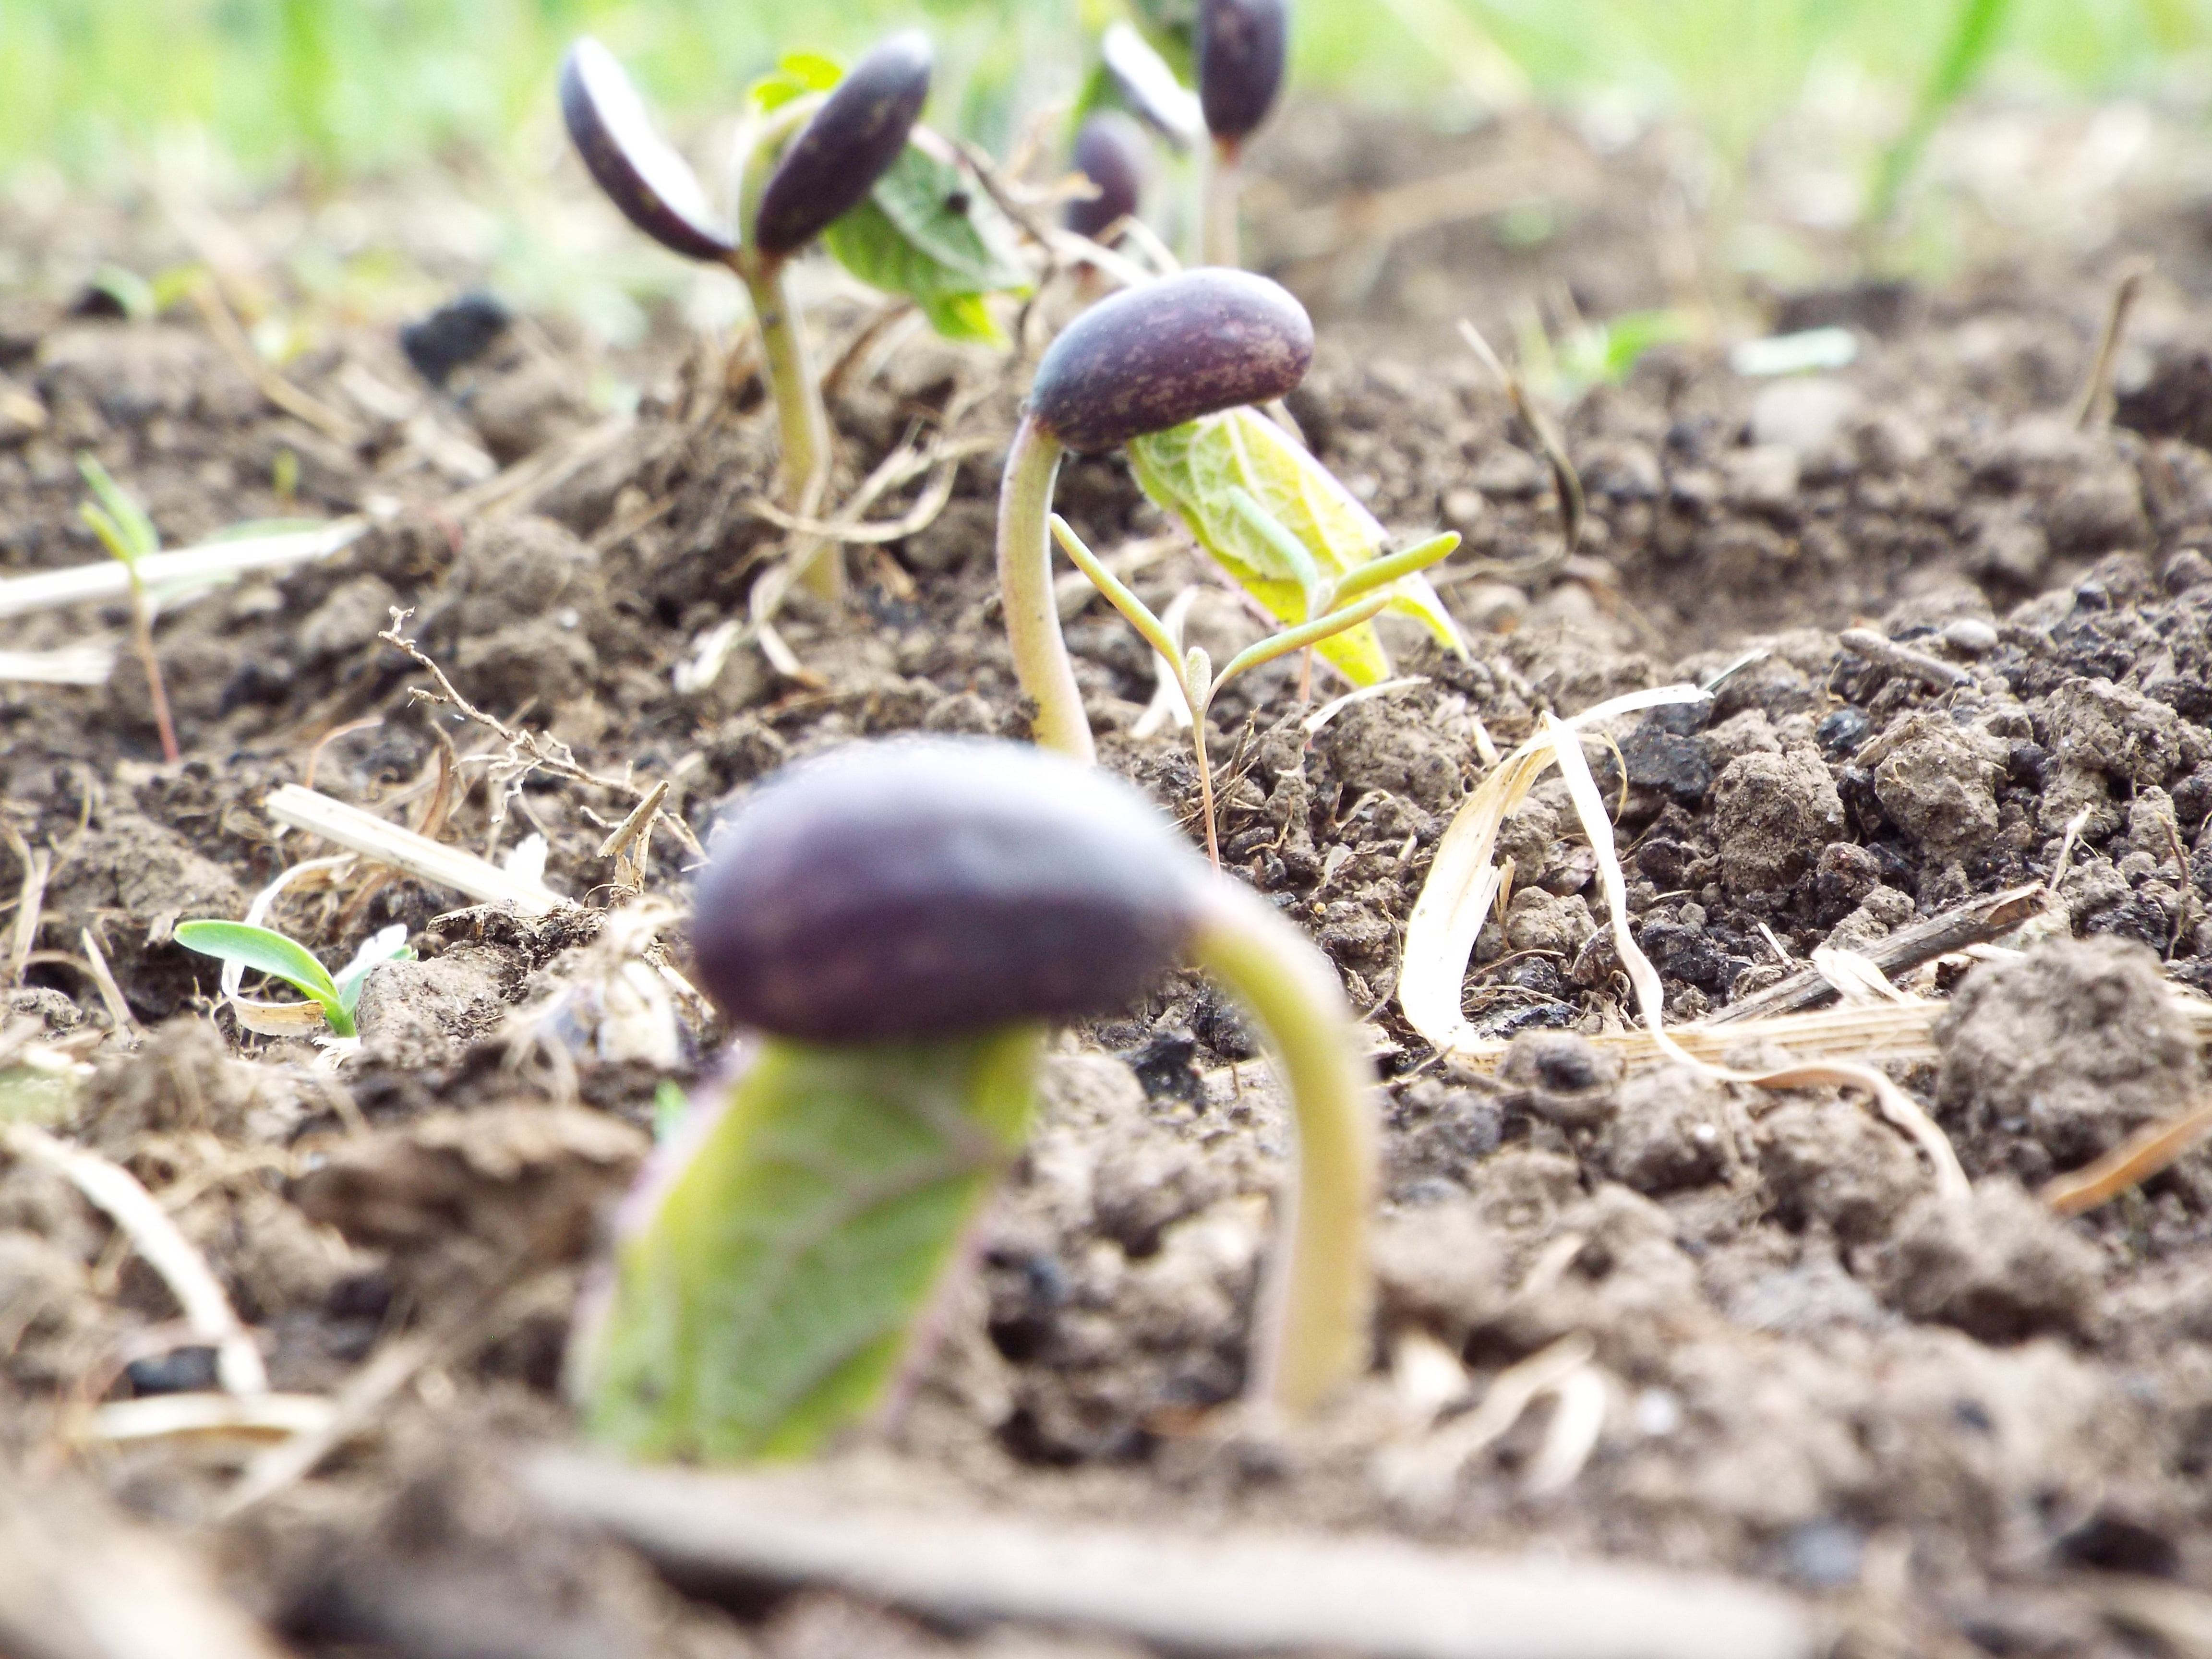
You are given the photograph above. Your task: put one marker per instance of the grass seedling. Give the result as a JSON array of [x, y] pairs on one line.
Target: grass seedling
[[1976, 28], [1147, 360], [266, 951], [1242, 48], [1335, 606], [129, 536], [836, 159], [901, 924]]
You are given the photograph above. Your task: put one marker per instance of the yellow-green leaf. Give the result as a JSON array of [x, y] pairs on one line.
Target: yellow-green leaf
[[1195, 470]]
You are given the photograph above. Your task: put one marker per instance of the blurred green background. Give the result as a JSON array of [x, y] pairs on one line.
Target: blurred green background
[[346, 86]]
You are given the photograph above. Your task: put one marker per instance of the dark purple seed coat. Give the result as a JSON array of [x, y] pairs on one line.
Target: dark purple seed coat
[[1163, 353], [1241, 46], [1111, 152], [852, 140], [929, 887], [653, 187]]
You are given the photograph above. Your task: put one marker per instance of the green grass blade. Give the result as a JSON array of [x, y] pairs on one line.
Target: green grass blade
[[1297, 639], [770, 1293], [1118, 593], [267, 951], [1976, 28], [1381, 573], [137, 537]]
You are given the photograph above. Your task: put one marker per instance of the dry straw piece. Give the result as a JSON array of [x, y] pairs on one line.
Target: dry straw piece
[[1465, 880]]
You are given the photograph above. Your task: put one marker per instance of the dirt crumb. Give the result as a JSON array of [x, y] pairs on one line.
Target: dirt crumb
[[1772, 815], [1671, 1132], [488, 1190], [1939, 784], [1827, 1162], [1999, 1266], [2075, 1045]]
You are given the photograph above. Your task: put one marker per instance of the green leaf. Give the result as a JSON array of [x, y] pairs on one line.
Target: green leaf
[[768, 1296], [1243, 486], [797, 75], [268, 952], [928, 230], [116, 519], [1604, 355]]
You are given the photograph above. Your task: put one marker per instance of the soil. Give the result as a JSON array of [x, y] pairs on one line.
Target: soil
[[1947, 1426]]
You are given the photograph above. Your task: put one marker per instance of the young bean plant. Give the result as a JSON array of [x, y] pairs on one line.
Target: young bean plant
[[1110, 151], [837, 159], [900, 926], [1336, 607], [1166, 369], [1242, 48]]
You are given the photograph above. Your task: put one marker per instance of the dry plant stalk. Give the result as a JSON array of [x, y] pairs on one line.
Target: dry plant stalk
[[165, 574], [526, 751], [2154, 1147], [425, 859]]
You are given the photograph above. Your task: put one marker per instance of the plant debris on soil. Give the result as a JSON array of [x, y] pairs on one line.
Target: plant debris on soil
[[1630, 1312]]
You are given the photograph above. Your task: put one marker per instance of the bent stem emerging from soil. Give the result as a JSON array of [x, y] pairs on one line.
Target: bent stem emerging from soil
[[1150, 359], [1311, 1334]]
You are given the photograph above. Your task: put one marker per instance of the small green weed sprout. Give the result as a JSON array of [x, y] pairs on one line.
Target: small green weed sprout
[[1334, 606], [129, 536], [266, 951]]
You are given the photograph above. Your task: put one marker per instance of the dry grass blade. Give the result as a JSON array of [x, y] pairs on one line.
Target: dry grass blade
[[30, 901], [2093, 406], [103, 979], [164, 573], [2134, 1161], [209, 1416], [91, 663], [117, 1194], [1902, 1111], [1227, 1592], [1569, 483], [216, 313], [1463, 879], [1422, 1474], [1328, 711], [419, 856]]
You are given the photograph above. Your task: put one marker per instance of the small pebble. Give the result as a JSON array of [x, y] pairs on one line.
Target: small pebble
[[1972, 636]]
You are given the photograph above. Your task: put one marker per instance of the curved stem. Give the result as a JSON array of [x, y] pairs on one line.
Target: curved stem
[[1204, 778], [1040, 661], [1311, 1335], [800, 414]]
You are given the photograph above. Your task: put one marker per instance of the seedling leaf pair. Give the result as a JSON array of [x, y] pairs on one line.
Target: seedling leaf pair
[[266, 951], [927, 231], [1280, 523]]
